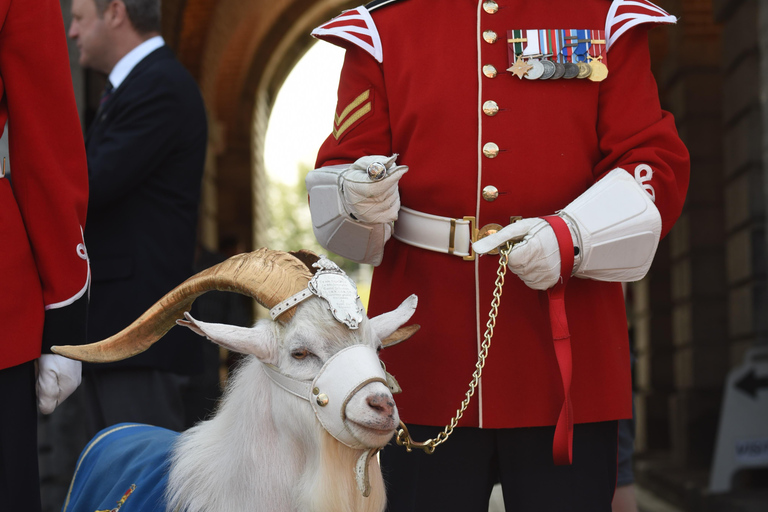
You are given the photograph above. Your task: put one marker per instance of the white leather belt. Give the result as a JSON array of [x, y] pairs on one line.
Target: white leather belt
[[443, 234], [435, 233]]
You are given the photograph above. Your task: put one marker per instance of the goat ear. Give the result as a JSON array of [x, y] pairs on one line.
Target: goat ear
[[399, 335], [257, 340], [386, 324]]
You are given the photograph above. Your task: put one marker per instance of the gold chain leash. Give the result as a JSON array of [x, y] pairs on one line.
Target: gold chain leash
[[403, 436]]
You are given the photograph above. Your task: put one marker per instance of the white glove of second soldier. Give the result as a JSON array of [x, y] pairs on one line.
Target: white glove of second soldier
[[57, 378], [367, 199]]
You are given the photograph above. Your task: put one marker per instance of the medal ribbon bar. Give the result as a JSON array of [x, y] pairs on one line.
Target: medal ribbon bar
[[582, 47]]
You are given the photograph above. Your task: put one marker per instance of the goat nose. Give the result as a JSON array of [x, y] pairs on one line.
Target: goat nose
[[381, 404]]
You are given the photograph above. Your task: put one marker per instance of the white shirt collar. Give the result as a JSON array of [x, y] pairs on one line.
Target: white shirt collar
[[125, 65]]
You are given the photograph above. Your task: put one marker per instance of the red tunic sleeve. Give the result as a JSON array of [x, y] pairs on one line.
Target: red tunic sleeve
[[47, 155], [361, 124], [635, 133]]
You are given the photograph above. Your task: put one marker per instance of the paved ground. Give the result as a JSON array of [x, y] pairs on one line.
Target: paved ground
[[649, 502]]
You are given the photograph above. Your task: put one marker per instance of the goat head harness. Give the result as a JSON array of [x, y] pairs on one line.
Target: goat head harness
[[331, 284], [343, 375]]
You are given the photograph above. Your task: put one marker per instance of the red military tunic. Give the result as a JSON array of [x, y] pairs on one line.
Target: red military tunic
[[44, 264], [414, 82]]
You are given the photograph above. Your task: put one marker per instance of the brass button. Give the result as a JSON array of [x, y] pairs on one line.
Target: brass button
[[490, 193], [490, 108], [490, 36], [489, 71], [490, 7], [491, 150], [322, 398]]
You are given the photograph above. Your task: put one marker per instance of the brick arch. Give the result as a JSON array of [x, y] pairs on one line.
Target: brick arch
[[188, 25], [240, 51]]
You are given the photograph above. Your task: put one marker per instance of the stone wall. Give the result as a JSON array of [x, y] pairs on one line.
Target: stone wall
[[704, 302], [681, 330]]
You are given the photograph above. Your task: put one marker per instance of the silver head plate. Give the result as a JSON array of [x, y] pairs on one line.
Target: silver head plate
[[331, 284]]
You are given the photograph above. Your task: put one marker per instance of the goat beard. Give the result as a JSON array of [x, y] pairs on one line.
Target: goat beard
[[335, 488]]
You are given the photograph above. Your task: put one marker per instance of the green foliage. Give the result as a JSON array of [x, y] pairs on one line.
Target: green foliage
[[291, 223]]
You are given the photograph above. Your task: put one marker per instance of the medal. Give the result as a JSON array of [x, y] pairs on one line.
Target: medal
[[571, 70], [532, 52], [551, 54], [599, 70], [584, 70], [566, 52], [559, 70], [536, 71], [549, 69], [519, 68], [596, 53], [580, 53], [554, 47]]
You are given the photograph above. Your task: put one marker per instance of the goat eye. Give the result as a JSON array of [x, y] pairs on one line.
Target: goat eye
[[300, 354]]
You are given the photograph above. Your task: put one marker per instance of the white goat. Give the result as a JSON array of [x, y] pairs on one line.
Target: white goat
[[265, 449]]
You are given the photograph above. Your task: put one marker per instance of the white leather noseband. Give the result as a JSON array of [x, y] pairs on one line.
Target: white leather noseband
[[343, 375]]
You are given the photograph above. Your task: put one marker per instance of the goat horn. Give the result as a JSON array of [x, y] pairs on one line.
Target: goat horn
[[267, 276]]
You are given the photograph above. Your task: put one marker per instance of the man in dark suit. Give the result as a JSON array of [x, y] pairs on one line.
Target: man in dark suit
[[146, 150]]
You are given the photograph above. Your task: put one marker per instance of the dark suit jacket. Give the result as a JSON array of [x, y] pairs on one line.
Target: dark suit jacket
[[146, 152]]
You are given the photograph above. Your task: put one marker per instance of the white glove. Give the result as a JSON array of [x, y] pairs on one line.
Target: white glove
[[370, 200], [535, 258], [614, 223], [57, 378], [352, 213]]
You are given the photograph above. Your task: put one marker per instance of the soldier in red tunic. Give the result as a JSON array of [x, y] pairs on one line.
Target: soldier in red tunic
[[43, 289], [496, 110]]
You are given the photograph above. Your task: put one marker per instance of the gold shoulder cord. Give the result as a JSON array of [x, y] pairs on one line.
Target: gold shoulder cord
[[403, 437]]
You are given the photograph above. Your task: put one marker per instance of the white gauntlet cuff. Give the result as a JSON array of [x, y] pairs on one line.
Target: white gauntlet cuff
[[335, 229], [617, 227]]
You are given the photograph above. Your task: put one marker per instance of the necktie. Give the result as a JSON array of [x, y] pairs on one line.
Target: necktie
[[106, 93]]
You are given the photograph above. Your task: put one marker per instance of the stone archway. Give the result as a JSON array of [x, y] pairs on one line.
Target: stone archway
[[240, 53]]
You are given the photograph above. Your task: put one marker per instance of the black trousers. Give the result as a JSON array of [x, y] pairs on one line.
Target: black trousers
[[460, 474], [19, 478]]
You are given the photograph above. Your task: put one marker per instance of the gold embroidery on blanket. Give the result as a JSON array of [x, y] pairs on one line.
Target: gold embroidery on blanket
[[122, 500]]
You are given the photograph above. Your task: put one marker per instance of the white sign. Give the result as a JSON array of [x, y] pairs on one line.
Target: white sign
[[742, 437], [753, 451]]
